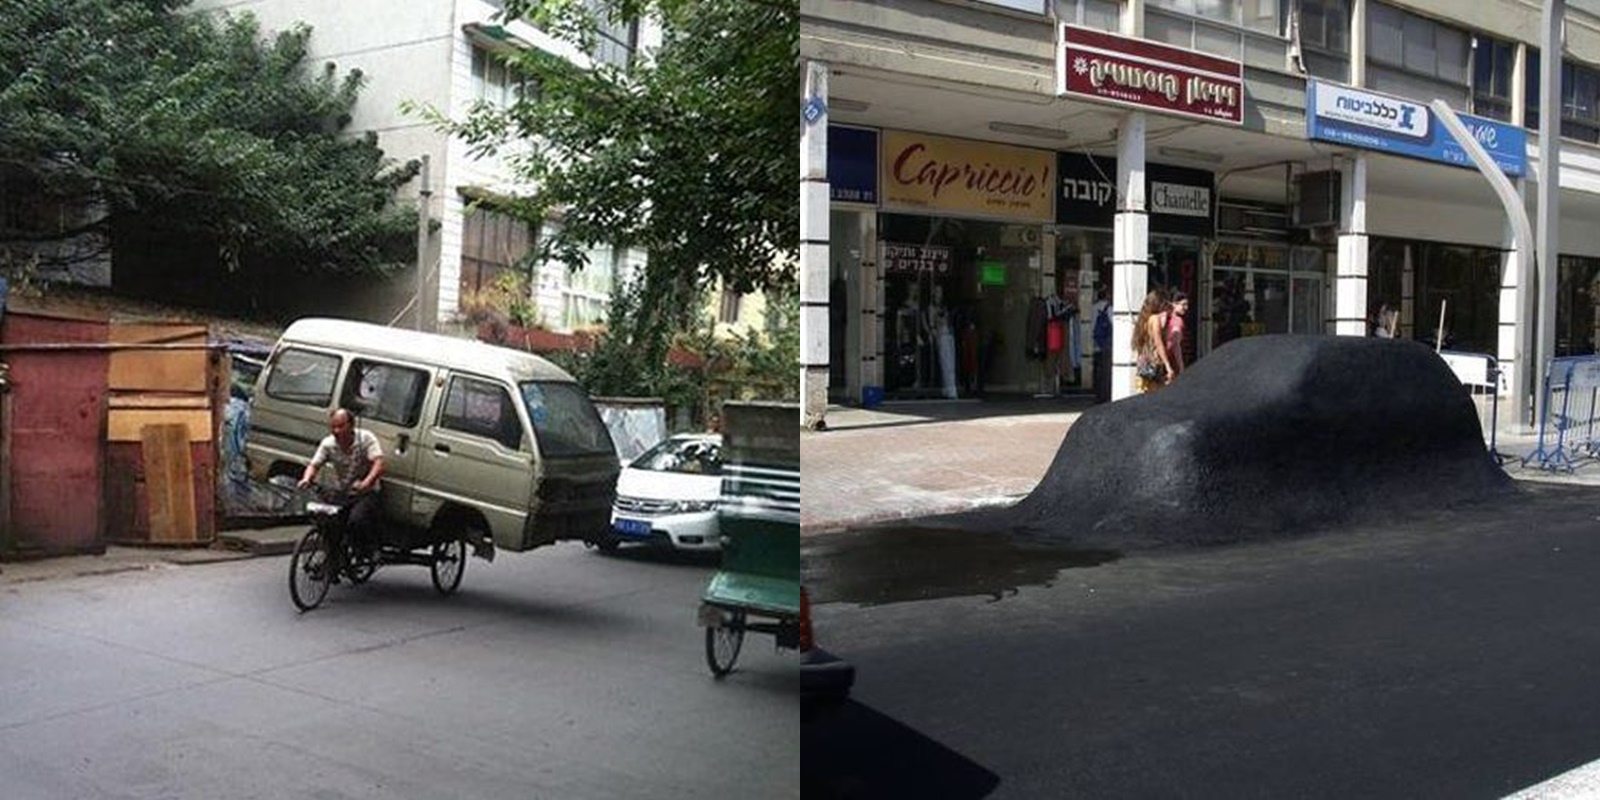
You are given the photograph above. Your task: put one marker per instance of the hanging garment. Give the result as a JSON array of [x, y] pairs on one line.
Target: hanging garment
[[1035, 334]]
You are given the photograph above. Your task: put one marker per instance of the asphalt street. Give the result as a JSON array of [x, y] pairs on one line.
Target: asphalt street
[[1451, 655], [558, 673]]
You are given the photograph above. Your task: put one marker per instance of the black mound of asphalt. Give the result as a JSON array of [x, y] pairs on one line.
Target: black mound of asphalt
[[1267, 437]]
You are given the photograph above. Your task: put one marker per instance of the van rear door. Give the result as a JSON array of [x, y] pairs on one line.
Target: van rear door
[[578, 464]]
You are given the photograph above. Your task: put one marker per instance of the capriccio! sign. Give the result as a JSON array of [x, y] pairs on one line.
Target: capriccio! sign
[[939, 173], [1134, 72]]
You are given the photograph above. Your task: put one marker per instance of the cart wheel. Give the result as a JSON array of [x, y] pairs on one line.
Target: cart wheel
[[310, 571], [361, 567], [722, 645], [449, 562]]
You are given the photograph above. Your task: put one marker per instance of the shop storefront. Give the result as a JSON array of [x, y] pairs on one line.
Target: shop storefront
[[1266, 287], [1182, 212], [1437, 283], [960, 269], [852, 284], [1441, 289], [1578, 307]]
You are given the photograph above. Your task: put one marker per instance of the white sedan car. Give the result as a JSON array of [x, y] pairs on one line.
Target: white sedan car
[[668, 495]]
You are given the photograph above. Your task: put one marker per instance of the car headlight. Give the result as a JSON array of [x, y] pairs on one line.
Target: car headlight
[[688, 506]]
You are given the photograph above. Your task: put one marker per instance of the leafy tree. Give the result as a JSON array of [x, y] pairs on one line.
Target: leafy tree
[[193, 128], [689, 152], [745, 366]]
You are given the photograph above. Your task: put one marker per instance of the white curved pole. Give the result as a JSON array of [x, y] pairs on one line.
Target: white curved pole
[[1527, 372]]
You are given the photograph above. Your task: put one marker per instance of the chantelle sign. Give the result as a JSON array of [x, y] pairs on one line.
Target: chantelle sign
[[1133, 72]]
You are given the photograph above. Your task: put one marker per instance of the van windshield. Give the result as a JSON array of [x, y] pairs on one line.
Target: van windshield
[[564, 420]]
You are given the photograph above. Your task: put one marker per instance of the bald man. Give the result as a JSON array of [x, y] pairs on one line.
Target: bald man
[[357, 461]]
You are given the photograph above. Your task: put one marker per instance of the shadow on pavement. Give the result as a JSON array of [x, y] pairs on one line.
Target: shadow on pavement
[[849, 751], [907, 414]]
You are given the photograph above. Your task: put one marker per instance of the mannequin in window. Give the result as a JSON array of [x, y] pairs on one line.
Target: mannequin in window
[[937, 321], [908, 341]]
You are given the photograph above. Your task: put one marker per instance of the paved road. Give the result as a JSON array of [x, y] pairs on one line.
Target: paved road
[[1454, 656], [558, 673]]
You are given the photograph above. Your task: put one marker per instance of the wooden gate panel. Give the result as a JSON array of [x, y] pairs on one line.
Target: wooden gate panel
[[56, 435]]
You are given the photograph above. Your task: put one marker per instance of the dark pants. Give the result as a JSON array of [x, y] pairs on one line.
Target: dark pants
[[366, 513], [1102, 376]]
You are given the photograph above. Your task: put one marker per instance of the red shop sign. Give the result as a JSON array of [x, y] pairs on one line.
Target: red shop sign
[[1134, 72]]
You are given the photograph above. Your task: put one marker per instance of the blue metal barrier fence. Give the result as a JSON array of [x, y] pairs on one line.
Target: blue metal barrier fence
[[1567, 423]]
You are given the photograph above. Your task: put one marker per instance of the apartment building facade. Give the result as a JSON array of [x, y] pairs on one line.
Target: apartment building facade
[[976, 174], [439, 54]]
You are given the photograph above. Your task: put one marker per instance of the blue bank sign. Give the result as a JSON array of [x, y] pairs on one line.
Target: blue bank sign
[[1360, 118]]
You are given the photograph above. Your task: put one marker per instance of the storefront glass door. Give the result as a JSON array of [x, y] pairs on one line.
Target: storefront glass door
[[1253, 292]]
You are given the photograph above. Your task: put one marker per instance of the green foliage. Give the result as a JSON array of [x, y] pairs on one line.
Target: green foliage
[[201, 128], [690, 153], [629, 361]]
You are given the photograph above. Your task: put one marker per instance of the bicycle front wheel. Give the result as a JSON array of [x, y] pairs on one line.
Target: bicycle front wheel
[[310, 570]]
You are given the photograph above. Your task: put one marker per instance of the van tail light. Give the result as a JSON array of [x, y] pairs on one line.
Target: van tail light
[[805, 620]]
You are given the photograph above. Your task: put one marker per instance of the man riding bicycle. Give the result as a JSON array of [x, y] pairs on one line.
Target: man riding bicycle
[[357, 461]]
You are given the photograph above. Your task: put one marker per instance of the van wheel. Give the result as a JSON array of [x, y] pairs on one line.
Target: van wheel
[[607, 542]]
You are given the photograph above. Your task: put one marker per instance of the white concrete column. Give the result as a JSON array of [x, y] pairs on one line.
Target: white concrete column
[[814, 249], [1350, 275], [1130, 251], [1513, 295], [1358, 42]]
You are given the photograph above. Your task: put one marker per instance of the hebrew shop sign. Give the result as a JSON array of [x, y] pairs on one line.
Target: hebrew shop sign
[[1133, 72]]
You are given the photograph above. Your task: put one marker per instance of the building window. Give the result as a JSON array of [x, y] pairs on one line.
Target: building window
[[586, 295], [1416, 44], [492, 243], [1248, 31], [495, 82], [616, 40], [1105, 15], [1325, 38], [1413, 56], [1580, 111], [728, 314], [1580, 99], [1265, 16], [1493, 61]]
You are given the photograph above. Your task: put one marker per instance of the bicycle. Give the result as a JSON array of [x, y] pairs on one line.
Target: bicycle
[[327, 553]]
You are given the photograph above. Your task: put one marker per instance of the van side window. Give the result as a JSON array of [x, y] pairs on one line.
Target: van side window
[[301, 376], [482, 409], [384, 392]]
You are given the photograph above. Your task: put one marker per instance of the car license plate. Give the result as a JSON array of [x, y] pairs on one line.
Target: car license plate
[[633, 527]]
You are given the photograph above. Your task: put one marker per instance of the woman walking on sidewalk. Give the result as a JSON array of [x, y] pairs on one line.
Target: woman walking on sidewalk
[[1152, 368]]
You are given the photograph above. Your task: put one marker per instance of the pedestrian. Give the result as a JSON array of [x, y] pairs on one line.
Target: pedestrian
[[1102, 346], [1384, 322], [1177, 313], [357, 461], [1151, 368]]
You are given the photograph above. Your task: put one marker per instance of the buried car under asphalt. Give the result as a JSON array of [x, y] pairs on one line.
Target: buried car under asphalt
[[669, 495]]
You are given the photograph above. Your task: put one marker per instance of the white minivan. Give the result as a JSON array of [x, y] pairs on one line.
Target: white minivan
[[495, 446]]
